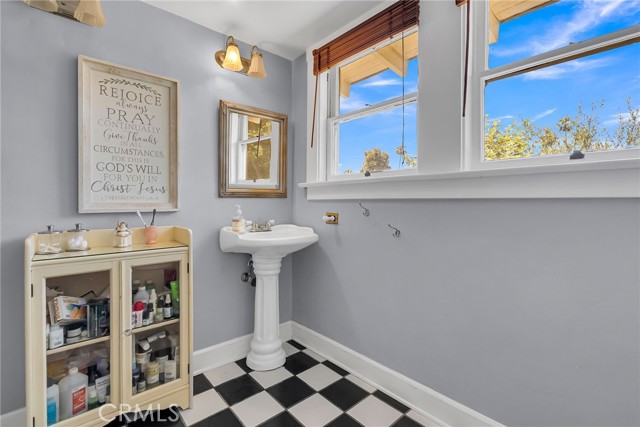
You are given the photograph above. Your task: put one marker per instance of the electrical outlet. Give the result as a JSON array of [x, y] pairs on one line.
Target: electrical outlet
[[334, 215]]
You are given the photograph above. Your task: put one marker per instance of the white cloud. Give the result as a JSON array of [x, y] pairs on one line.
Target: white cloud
[[616, 119], [508, 116], [558, 71], [380, 82], [351, 103], [586, 16], [543, 114]]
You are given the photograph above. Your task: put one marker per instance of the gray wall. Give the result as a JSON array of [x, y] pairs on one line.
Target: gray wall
[[40, 145], [524, 310]]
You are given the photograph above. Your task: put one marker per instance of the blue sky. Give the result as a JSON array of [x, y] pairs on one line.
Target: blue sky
[[548, 94], [543, 96]]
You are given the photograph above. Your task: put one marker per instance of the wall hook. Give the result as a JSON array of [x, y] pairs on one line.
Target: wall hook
[[366, 212], [396, 233]]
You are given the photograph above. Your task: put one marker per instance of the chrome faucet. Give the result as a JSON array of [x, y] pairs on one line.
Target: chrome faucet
[[257, 226]]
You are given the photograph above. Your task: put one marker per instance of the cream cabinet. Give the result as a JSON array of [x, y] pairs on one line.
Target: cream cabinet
[[90, 296]]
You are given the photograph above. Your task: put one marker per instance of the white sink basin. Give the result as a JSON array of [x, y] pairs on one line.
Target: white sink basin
[[280, 241], [267, 249]]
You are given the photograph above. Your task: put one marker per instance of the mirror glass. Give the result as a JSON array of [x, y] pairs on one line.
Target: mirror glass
[[252, 152]]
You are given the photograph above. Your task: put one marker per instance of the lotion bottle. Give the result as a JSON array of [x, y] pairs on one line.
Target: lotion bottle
[[238, 224]]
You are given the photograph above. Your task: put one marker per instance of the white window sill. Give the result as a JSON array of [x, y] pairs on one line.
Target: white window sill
[[606, 179]]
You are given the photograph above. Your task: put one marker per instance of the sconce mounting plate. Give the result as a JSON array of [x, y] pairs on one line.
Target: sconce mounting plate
[[245, 62]]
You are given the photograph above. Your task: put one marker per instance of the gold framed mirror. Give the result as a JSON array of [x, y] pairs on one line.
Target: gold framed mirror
[[252, 152]]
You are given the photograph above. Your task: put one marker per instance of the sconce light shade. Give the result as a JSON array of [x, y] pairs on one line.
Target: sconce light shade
[[89, 12], [232, 56], [256, 69], [46, 5]]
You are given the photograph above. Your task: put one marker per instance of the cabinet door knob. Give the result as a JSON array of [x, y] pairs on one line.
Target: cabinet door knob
[[127, 332]]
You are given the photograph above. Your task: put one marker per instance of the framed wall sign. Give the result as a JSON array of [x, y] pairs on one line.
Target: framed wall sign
[[128, 139]]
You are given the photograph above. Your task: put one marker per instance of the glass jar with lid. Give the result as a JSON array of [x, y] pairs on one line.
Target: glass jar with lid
[[77, 239], [49, 241]]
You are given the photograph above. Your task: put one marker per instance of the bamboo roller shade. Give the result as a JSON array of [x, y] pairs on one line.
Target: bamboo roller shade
[[398, 17]]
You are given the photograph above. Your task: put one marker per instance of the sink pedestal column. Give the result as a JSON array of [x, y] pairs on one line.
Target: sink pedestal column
[[266, 346]]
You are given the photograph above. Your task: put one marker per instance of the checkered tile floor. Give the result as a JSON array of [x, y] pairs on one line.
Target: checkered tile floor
[[308, 391]]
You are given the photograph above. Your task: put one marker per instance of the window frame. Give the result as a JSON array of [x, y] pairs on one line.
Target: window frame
[[238, 152], [479, 61], [445, 138], [331, 119]]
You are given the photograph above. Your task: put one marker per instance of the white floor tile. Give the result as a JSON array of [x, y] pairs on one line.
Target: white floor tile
[[319, 377], [257, 409], [314, 355], [361, 383], [421, 419], [224, 373], [289, 349], [374, 412], [204, 405], [268, 378], [315, 411]]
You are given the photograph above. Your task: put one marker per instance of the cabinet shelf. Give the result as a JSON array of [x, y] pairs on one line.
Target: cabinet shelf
[[155, 325], [80, 344]]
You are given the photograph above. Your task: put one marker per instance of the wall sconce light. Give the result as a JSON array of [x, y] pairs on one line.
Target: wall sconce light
[[86, 11], [230, 59]]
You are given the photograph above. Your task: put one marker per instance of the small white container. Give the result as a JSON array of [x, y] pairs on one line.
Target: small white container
[[56, 336], [170, 368], [122, 238], [77, 240]]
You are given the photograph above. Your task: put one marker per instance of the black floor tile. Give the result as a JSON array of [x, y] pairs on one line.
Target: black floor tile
[[296, 344], [284, 419], [225, 418], [344, 420], [344, 394], [336, 368], [299, 362], [406, 422], [238, 389], [391, 401], [201, 384], [243, 364], [290, 391]]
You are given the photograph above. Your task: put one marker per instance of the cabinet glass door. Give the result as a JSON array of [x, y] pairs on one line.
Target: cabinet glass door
[[155, 343], [76, 323]]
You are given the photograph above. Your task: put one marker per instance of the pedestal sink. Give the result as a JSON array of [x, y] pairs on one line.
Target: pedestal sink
[[267, 250]]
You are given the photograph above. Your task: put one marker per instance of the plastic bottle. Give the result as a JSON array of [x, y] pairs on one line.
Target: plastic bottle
[[142, 383], [73, 394], [93, 399], [53, 403], [141, 295], [153, 299], [168, 308], [238, 223], [153, 373]]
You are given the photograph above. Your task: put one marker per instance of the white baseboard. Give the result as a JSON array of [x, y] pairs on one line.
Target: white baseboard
[[430, 403], [229, 351], [433, 405], [16, 418]]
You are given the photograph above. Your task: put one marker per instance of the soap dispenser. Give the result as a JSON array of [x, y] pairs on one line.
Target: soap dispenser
[[238, 224]]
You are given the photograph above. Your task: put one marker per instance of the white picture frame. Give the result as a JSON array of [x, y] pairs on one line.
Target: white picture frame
[[127, 139]]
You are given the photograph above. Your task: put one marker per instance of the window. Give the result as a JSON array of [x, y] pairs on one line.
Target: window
[[589, 55], [254, 149], [367, 100], [559, 77], [372, 127]]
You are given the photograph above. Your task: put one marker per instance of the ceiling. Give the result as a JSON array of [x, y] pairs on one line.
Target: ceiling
[[286, 27]]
